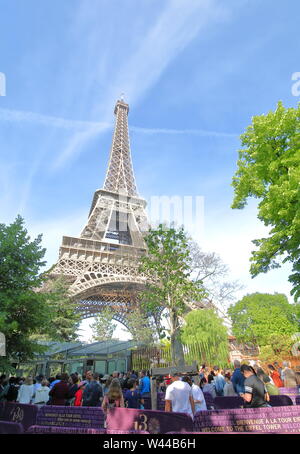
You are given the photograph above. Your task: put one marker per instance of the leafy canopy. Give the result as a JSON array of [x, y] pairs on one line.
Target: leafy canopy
[[167, 266], [170, 287], [103, 327], [258, 316], [205, 327], [65, 318], [269, 169], [23, 310]]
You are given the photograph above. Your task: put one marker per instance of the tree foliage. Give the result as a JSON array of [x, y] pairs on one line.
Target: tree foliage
[[205, 327], [269, 169], [141, 327], [258, 316], [65, 318], [23, 310], [170, 286], [103, 326], [278, 348]]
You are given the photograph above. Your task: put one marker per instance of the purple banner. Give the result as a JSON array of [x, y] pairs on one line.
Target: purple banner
[[209, 401], [64, 430], [161, 401], [280, 401], [10, 428], [21, 413], [154, 422], [80, 417], [291, 392], [228, 402], [263, 420]]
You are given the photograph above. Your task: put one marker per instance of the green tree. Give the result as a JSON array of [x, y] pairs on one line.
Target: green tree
[[167, 267], [141, 327], [257, 317], [65, 318], [269, 170], [278, 348], [23, 310], [103, 327], [206, 328]]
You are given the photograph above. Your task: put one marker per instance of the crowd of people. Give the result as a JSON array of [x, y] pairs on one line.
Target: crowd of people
[[92, 389], [185, 394], [255, 384]]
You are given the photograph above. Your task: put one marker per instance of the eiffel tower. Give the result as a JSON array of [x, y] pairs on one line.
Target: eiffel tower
[[101, 265]]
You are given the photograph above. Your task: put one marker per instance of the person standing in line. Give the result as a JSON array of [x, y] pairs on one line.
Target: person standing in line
[[144, 386], [60, 391], [38, 382], [93, 391], [275, 376], [256, 394], [106, 382], [219, 381], [57, 380], [228, 388], [270, 387], [26, 392], [73, 388], [279, 370], [12, 392], [79, 394], [202, 371], [198, 396], [179, 397], [134, 375], [114, 397], [42, 394], [209, 387], [289, 376], [237, 378], [133, 397]]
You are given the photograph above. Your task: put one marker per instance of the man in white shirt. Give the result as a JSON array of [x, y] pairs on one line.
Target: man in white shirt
[[179, 397], [198, 396]]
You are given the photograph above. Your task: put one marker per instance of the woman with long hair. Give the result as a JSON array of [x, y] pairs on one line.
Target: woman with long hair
[[114, 397]]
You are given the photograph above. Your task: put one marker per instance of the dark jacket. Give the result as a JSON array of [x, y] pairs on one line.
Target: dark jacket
[[59, 393], [12, 393], [92, 394]]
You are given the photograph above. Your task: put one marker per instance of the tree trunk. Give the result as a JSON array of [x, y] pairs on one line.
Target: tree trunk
[[176, 345]]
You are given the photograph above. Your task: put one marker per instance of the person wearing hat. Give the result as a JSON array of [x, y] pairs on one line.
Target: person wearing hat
[[106, 381], [179, 397]]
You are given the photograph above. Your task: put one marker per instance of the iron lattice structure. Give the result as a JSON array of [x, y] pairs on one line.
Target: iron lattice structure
[[102, 264]]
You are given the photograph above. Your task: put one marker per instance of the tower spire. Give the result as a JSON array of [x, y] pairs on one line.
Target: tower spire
[[120, 177]]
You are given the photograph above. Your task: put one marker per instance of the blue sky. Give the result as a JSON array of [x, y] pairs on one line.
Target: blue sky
[[194, 72]]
